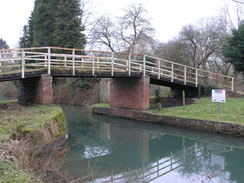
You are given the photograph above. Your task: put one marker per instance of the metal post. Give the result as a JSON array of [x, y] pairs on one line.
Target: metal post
[[172, 72], [112, 62], [183, 99], [199, 91], [196, 77], [218, 107], [184, 75], [159, 68], [144, 65], [49, 60], [73, 62], [129, 64], [23, 64]]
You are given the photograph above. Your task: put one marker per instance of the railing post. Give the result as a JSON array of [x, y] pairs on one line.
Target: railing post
[[232, 84], [97, 64], [172, 72], [49, 60], [157, 167], [143, 172], [82, 60], [73, 62], [171, 161], [144, 65], [112, 178], [45, 61], [129, 64], [184, 75], [184, 150], [65, 61], [159, 68], [112, 64], [196, 78], [93, 64], [22, 64]]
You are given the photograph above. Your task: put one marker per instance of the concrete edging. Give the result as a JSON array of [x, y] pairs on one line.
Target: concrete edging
[[208, 126]]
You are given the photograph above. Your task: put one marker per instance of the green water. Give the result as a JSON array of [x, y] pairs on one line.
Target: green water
[[105, 149]]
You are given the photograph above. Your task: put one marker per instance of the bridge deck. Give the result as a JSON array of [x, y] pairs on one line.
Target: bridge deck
[[164, 81]]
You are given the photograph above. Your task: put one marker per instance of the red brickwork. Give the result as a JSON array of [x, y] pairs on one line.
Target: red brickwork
[[44, 93], [131, 93], [37, 90]]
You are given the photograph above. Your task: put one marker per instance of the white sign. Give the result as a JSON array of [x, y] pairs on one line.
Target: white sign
[[218, 95]]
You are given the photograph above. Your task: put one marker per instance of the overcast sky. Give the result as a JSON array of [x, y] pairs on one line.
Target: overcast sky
[[166, 16]]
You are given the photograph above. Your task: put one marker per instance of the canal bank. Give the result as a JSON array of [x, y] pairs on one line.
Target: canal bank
[[29, 138], [201, 115]]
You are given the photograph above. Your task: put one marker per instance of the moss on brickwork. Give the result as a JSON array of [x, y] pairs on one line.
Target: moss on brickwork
[[59, 119]]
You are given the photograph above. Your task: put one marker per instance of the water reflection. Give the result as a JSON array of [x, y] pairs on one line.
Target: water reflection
[[106, 149]]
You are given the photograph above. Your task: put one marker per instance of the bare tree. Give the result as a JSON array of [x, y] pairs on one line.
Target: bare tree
[[129, 33], [135, 28], [201, 42], [173, 50], [104, 33], [238, 1], [88, 19], [234, 13], [199, 46]]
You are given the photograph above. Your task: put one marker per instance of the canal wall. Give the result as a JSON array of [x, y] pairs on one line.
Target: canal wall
[[204, 125]]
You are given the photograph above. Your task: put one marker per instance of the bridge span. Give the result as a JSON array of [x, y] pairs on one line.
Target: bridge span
[[131, 73]]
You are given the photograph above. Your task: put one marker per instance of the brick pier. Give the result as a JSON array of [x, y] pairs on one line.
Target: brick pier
[[131, 93], [36, 90]]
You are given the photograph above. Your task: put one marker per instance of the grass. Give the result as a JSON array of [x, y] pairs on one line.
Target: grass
[[232, 111], [101, 105], [7, 101], [28, 118], [16, 121], [12, 174]]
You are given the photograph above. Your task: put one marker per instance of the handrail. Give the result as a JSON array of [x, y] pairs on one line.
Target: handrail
[[147, 65]]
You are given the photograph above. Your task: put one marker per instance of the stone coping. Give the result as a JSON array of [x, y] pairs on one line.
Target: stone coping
[[204, 125]]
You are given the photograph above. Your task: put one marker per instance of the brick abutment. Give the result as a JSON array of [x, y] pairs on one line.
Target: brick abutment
[[36, 90]]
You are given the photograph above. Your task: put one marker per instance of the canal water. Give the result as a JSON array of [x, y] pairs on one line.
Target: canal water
[[106, 149]]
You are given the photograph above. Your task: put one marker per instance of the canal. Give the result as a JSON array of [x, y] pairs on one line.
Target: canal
[[104, 149]]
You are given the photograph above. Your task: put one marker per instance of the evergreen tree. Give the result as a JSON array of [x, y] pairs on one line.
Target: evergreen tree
[[68, 29], [3, 44], [26, 40], [54, 23], [42, 21], [234, 48]]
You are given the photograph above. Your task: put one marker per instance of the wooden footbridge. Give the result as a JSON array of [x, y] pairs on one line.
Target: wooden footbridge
[[17, 64]]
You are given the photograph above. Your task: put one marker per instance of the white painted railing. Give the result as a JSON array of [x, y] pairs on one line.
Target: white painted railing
[[155, 169], [14, 61]]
